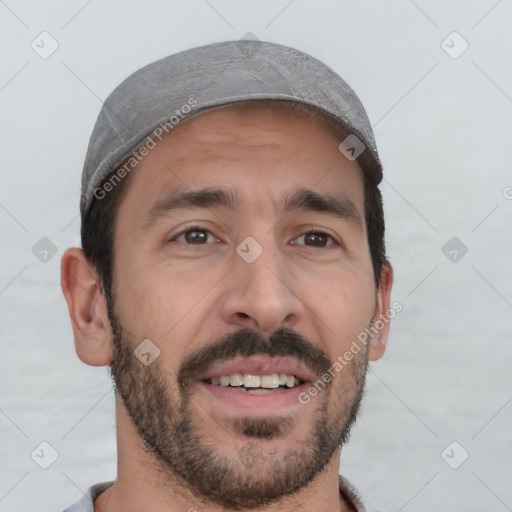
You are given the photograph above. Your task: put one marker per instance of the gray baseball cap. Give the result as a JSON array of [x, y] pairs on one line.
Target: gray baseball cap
[[154, 99]]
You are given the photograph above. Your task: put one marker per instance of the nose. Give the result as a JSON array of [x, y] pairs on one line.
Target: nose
[[260, 295]]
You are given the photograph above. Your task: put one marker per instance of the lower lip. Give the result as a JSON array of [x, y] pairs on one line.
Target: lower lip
[[242, 402]]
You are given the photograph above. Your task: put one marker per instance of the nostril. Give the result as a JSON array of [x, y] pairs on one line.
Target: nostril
[[243, 315]]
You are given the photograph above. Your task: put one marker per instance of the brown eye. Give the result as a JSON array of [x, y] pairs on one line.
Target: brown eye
[[194, 237], [316, 239]]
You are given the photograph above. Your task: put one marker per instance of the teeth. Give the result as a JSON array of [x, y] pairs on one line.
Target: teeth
[[236, 379], [224, 380], [251, 381], [271, 381]]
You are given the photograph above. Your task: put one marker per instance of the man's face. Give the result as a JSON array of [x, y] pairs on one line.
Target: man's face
[[249, 279]]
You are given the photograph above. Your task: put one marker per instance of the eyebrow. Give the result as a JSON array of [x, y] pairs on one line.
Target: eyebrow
[[181, 199], [339, 205]]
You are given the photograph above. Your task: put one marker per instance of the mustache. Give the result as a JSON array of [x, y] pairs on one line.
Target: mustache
[[246, 343]]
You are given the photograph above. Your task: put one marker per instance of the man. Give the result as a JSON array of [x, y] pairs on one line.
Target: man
[[233, 275]]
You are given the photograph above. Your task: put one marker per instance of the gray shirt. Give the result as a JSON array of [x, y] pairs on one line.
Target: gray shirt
[[86, 502]]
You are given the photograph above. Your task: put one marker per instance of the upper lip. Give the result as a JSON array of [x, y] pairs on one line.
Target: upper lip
[[259, 365]]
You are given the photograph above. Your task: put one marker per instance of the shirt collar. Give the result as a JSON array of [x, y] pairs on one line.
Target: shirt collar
[[347, 490]]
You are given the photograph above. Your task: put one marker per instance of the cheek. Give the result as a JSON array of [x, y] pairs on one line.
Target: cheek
[[141, 299], [158, 300], [344, 301]]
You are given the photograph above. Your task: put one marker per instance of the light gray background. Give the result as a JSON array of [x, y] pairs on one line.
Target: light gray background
[[443, 127]]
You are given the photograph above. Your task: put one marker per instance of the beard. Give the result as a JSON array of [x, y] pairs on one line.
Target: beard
[[159, 405]]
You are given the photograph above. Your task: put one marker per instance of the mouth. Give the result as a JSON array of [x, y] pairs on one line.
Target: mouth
[[258, 385]]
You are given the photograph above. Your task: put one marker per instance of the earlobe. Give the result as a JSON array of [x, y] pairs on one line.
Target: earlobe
[[382, 314], [87, 308]]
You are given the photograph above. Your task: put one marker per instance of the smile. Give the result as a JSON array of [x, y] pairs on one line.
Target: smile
[[256, 384]]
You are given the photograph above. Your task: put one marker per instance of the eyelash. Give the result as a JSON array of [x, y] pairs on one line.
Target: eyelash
[[309, 232], [187, 230], [319, 232]]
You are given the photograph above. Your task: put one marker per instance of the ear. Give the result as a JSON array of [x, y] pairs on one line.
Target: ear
[[382, 316], [87, 308]]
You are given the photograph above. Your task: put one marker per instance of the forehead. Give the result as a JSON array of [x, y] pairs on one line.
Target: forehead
[[241, 127], [254, 147]]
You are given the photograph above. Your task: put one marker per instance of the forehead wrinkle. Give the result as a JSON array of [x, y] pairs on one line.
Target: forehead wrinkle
[[211, 157], [200, 138], [230, 132]]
